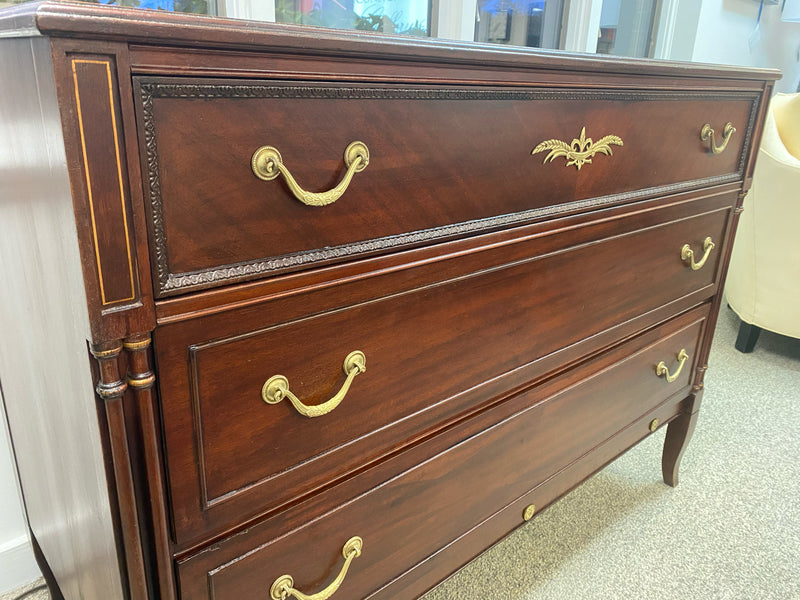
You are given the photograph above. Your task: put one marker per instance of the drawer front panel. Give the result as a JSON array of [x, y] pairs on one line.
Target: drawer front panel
[[432, 353], [416, 513], [437, 166]]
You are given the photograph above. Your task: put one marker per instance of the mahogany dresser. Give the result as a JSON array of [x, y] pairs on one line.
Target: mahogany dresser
[[295, 313]]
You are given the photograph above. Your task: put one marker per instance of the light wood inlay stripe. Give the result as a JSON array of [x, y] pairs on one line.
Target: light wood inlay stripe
[[104, 299]]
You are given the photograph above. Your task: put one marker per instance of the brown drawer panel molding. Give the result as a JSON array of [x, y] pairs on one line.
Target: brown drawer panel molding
[[403, 520], [438, 169], [232, 454]]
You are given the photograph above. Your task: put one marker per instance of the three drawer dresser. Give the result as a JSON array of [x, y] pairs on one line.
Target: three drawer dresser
[[295, 313]]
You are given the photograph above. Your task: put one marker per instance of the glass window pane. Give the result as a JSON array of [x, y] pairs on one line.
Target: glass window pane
[[201, 7], [626, 27], [535, 23], [389, 16]]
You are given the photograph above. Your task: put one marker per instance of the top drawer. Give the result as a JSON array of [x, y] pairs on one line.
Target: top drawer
[[443, 162]]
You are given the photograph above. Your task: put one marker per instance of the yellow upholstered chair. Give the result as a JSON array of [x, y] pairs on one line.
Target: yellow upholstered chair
[[763, 285]]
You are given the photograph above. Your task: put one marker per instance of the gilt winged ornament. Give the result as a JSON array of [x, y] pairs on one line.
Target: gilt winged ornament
[[580, 151]]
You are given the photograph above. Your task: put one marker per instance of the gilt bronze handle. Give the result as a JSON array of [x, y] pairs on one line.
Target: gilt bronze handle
[[267, 164], [283, 587], [276, 388], [687, 254], [707, 135], [663, 371]]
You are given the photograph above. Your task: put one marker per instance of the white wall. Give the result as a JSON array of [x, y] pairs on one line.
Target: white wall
[[17, 565], [724, 34]]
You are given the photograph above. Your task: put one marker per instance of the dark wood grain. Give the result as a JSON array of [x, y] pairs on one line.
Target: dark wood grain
[[405, 520], [428, 259], [141, 380], [285, 64], [681, 430], [110, 389], [96, 116], [423, 576], [109, 206], [437, 168], [512, 313], [513, 309], [679, 434]]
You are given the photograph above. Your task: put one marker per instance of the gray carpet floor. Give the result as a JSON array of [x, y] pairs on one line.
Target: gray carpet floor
[[729, 531]]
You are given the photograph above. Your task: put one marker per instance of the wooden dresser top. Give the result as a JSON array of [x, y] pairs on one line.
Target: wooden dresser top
[[90, 21]]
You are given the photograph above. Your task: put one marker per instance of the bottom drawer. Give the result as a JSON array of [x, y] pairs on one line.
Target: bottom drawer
[[423, 499]]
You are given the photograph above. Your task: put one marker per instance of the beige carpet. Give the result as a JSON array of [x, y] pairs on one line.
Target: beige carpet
[[32, 595], [729, 531]]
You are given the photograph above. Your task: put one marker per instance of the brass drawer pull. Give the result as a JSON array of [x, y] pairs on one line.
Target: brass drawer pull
[[284, 585], [687, 254], [663, 371], [267, 164], [276, 388], [707, 135], [579, 151]]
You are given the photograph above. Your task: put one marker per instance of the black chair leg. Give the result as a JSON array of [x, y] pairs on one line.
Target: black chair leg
[[747, 338]]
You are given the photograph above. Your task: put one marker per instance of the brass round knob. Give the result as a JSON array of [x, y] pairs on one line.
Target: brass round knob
[[529, 512], [653, 424]]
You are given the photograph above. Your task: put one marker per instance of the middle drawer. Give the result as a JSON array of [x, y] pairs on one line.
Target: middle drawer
[[478, 474], [479, 327]]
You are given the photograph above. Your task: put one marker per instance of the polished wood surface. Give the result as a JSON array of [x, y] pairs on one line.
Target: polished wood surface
[[162, 28], [409, 517], [141, 380], [104, 183], [437, 168], [111, 389], [512, 312], [246, 456]]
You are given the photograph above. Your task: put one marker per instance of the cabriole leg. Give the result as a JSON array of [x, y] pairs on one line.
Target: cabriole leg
[[679, 433]]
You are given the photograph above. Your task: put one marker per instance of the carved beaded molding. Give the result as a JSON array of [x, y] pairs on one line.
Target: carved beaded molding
[[170, 283]]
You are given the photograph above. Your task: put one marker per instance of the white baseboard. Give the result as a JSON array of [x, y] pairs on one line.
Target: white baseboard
[[17, 565]]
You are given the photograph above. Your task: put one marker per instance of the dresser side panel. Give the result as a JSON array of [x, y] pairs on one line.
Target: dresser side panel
[[44, 362]]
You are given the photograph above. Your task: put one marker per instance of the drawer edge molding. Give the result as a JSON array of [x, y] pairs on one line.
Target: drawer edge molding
[[545, 493], [212, 563], [179, 283], [169, 283]]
